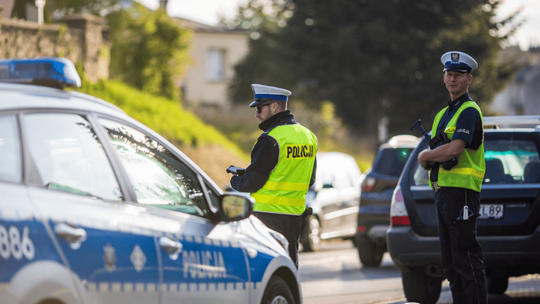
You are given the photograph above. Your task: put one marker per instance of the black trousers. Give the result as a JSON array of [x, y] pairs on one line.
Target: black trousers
[[288, 225], [461, 253]]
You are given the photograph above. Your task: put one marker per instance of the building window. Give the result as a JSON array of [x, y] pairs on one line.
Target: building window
[[215, 68]]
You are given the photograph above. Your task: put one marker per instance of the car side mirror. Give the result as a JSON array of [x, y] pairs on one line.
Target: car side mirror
[[233, 207]]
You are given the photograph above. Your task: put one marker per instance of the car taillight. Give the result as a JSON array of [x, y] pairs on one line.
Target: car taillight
[[368, 183], [398, 211]]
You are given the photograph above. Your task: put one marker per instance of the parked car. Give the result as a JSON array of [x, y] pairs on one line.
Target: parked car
[[97, 208], [507, 227], [334, 199], [377, 187]]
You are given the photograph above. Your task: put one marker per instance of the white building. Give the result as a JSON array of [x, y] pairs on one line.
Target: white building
[[214, 52], [522, 95]]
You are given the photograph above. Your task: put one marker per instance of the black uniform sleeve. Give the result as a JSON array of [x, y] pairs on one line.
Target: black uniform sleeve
[[264, 158], [467, 126], [313, 174]]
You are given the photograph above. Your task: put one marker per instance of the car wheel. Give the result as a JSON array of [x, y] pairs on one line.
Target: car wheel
[[497, 285], [421, 288], [277, 292], [313, 240], [370, 254]]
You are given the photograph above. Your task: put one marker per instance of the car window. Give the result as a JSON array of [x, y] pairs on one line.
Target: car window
[[391, 161], [10, 150], [214, 197], [158, 177], [343, 178], [421, 176], [511, 161], [69, 156], [324, 175], [508, 161]]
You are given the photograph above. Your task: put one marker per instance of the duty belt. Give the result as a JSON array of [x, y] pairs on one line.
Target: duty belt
[[435, 186]]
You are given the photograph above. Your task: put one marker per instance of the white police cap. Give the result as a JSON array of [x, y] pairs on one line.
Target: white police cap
[[458, 61], [264, 93]]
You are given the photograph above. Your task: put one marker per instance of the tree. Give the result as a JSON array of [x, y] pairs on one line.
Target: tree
[[149, 49], [57, 8], [93, 7], [265, 19], [376, 59]]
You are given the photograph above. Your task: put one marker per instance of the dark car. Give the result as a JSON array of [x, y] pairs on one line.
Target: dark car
[[377, 187], [334, 199], [508, 224]]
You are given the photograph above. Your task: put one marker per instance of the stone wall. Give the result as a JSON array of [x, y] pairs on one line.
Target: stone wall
[[80, 38]]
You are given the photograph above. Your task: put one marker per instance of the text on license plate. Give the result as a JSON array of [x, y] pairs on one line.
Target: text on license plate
[[488, 211]]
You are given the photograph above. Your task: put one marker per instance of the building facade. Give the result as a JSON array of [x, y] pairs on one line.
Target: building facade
[[214, 53], [522, 95]]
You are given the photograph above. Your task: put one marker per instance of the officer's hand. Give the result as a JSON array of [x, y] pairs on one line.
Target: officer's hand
[[232, 169], [236, 170], [422, 159]]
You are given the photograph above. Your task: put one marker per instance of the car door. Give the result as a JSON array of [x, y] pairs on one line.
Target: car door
[[349, 189], [106, 243], [327, 199], [201, 261], [25, 246]]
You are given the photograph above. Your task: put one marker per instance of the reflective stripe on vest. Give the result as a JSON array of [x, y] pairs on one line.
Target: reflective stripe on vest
[[471, 167], [287, 186]]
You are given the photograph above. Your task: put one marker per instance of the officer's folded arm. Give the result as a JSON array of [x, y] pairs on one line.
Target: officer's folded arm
[[442, 153]]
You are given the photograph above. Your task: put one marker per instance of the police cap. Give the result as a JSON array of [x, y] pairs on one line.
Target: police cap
[[264, 93], [458, 61]]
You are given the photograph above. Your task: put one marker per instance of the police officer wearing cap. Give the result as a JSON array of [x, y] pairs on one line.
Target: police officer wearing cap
[[282, 166], [457, 168]]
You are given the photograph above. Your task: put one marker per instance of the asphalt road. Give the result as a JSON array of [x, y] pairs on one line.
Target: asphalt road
[[335, 275]]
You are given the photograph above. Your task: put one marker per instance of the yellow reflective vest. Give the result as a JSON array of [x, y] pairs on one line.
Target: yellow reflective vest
[[471, 167], [286, 188]]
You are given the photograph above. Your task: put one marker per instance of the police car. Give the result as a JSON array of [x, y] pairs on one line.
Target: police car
[[97, 208]]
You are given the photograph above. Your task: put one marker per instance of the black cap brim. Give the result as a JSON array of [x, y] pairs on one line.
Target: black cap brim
[[256, 103], [456, 70]]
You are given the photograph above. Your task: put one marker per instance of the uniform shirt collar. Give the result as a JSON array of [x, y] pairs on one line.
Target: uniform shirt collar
[[278, 119], [458, 101]]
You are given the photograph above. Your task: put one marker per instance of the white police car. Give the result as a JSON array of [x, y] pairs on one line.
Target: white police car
[[77, 179]]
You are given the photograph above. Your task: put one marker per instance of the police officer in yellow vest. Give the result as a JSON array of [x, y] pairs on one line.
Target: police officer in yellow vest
[[457, 168], [282, 166]]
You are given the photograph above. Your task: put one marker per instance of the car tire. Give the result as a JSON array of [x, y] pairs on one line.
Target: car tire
[[313, 240], [277, 292], [370, 254], [421, 288], [497, 285]]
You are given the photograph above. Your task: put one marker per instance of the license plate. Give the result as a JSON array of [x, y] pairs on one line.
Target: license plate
[[488, 211]]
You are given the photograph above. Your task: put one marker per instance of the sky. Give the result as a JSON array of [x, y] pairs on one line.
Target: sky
[[208, 11]]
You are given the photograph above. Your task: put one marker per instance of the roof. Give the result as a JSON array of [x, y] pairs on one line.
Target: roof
[[401, 141], [205, 28]]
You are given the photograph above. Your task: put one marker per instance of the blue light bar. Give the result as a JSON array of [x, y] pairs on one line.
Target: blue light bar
[[50, 72]]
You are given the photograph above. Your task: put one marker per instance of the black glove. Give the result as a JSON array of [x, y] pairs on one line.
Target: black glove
[[236, 170]]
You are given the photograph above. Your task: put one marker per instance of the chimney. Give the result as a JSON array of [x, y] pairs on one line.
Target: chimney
[[163, 4]]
